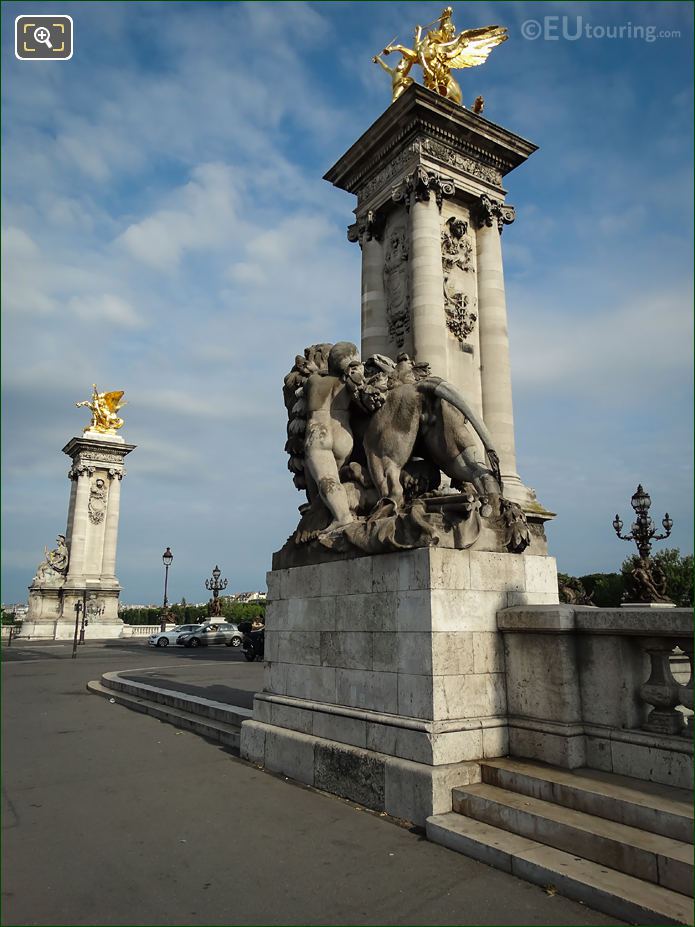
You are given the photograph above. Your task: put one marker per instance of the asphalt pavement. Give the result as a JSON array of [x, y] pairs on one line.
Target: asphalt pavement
[[112, 817]]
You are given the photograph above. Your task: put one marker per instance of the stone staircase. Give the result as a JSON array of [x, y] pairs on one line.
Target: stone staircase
[[216, 721], [619, 845]]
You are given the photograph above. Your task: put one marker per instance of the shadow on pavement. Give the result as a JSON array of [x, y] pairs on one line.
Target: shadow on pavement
[[241, 698]]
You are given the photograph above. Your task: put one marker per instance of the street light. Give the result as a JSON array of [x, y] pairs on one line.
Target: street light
[[643, 530], [85, 610], [215, 585], [647, 582], [167, 557]]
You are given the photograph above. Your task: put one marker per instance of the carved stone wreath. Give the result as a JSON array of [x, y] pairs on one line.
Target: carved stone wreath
[[459, 320]]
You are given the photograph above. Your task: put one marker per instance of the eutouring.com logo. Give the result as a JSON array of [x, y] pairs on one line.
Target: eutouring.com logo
[[574, 28]]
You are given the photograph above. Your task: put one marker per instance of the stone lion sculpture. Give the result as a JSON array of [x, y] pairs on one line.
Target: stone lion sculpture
[[370, 442]]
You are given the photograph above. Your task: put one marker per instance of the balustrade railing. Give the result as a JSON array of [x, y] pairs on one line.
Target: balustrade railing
[[139, 630], [607, 688]]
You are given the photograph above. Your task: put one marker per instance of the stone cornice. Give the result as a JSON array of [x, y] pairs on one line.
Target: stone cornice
[[420, 114], [95, 450]]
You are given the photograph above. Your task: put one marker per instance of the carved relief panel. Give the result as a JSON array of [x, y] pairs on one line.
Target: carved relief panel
[[458, 266], [98, 493], [396, 286]]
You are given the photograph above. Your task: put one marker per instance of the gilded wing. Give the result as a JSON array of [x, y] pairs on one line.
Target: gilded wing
[[474, 45], [113, 400]]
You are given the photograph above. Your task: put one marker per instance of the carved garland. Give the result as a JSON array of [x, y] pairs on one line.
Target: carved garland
[[450, 139], [468, 165]]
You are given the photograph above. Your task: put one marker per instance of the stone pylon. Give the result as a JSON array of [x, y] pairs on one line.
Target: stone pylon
[[429, 218], [91, 540]]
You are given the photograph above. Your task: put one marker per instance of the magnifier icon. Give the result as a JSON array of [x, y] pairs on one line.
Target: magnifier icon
[[43, 35]]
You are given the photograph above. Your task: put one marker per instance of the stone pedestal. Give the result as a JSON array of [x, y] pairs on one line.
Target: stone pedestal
[[91, 538], [384, 680], [430, 212]]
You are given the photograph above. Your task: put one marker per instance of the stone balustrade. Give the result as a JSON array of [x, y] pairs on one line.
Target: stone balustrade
[[606, 688], [140, 630]]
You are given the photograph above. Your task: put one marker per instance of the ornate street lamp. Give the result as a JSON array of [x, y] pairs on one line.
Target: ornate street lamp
[[647, 580], [167, 558], [215, 585]]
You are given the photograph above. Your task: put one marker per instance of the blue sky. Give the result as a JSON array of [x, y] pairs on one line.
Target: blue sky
[[167, 232]]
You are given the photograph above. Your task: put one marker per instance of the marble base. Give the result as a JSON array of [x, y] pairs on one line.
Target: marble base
[[393, 664]]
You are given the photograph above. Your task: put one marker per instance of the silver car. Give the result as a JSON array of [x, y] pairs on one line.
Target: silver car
[[164, 638], [215, 633]]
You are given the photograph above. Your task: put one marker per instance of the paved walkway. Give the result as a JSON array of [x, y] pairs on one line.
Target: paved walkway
[[114, 818], [233, 683]]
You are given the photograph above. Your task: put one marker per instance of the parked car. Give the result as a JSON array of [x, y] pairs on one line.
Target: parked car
[[214, 633], [164, 638]]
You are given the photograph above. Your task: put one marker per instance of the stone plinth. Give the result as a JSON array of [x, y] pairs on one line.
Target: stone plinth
[[91, 538], [430, 211], [384, 680]]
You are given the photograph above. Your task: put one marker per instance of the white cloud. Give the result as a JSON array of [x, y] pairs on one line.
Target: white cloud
[[106, 309]]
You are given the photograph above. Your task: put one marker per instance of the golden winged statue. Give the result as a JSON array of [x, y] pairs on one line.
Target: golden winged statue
[[104, 407], [438, 52]]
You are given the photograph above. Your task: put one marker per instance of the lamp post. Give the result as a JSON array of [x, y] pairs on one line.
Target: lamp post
[[215, 585], [167, 557], [84, 610], [80, 608], [647, 580]]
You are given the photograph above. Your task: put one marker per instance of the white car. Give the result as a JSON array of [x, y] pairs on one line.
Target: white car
[[164, 638]]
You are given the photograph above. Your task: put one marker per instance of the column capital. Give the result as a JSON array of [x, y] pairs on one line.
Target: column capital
[[80, 469], [369, 228], [117, 474], [418, 186], [486, 211]]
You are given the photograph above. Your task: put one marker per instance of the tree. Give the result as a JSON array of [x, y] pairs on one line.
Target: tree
[[677, 570], [605, 589]]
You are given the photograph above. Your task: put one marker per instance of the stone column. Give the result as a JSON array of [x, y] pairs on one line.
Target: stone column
[[108, 569], [496, 382], [422, 192], [374, 329], [77, 525]]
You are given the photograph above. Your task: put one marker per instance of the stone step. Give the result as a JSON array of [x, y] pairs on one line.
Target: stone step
[[614, 893], [639, 853], [227, 734], [203, 707], [660, 809]]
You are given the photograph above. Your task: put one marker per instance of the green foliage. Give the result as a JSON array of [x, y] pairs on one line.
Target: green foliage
[[605, 589], [678, 571], [193, 614], [6, 617], [243, 611]]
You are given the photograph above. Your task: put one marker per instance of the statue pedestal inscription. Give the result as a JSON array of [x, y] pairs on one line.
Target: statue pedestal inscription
[[384, 680], [84, 563]]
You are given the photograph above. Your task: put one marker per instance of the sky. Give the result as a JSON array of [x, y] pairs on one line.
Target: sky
[[166, 231]]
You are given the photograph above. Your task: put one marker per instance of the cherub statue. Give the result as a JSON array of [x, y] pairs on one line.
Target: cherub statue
[[441, 49], [104, 407]]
